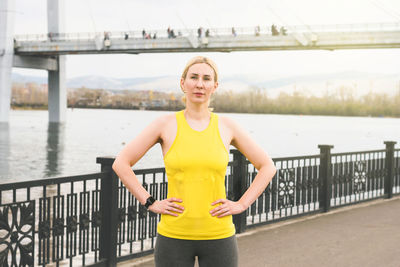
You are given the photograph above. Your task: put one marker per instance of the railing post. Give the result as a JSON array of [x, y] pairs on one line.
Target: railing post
[[325, 176], [239, 187], [109, 213], [389, 167]]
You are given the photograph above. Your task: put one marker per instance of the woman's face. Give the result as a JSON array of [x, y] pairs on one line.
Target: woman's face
[[199, 83]]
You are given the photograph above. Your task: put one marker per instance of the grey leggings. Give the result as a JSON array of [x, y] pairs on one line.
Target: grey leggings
[[172, 252]]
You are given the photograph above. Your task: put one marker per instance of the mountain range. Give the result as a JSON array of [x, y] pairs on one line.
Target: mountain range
[[359, 83]]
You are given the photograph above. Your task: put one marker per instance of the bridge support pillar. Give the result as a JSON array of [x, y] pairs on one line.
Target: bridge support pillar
[[7, 11], [57, 89]]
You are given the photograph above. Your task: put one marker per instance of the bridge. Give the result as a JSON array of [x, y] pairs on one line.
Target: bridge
[[329, 37], [47, 51]]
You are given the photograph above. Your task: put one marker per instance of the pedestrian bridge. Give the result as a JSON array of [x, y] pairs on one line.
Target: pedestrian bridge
[[328, 37], [47, 51]]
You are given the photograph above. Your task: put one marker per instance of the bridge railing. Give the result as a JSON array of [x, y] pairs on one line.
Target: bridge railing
[[162, 33], [54, 220], [92, 220]]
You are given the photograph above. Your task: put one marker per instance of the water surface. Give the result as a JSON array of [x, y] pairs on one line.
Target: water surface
[[32, 148]]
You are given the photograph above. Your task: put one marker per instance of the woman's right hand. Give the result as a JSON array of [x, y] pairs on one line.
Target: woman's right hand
[[167, 206]]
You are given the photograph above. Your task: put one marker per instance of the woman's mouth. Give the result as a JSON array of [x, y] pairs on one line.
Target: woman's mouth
[[198, 94]]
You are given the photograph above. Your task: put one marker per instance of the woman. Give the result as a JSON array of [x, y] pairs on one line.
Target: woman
[[196, 217]]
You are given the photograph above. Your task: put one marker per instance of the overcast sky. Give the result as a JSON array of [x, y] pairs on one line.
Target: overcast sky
[[121, 15]]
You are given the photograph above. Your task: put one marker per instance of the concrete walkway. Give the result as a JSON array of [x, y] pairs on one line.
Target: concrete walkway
[[364, 235]]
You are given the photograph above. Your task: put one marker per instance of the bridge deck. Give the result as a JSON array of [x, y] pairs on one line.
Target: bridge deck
[[219, 40]]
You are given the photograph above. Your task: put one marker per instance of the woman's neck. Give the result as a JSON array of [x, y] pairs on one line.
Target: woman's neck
[[195, 112]]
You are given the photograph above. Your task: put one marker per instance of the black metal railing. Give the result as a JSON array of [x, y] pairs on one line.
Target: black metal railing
[[51, 221], [293, 191], [92, 220], [396, 171], [357, 176]]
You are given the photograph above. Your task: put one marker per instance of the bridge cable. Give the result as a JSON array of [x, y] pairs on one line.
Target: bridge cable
[[390, 12], [183, 23], [298, 17], [207, 21], [123, 10], [91, 16], [275, 14], [396, 13], [298, 35], [288, 26]]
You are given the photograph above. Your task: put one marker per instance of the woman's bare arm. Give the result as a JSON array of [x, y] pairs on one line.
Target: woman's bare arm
[[261, 161], [131, 154]]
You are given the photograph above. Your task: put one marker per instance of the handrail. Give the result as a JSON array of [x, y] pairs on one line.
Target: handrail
[[358, 152], [52, 181]]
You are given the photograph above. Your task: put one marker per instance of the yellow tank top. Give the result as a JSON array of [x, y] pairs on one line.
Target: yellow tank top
[[196, 165]]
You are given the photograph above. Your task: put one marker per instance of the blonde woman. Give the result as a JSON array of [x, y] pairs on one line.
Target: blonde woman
[[196, 217]]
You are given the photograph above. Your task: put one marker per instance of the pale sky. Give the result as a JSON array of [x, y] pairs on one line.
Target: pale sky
[[121, 15]]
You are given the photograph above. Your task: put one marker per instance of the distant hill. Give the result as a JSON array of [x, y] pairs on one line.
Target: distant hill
[[18, 78], [317, 84]]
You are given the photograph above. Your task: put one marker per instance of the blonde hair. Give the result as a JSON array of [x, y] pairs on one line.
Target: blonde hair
[[199, 60]]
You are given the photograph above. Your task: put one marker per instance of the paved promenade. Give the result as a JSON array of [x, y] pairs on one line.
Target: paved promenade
[[362, 235]]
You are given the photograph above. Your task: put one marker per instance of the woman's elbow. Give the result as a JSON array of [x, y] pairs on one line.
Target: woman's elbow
[[271, 167], [116, 166], [268, 167], [274, 170], [120, 164]]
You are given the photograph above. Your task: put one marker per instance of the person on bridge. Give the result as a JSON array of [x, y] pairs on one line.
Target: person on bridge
[[257, 30], [106, 36], [200, 32], [169, 32], [196, 216], [282, 31], [274, 30], [173, 34]]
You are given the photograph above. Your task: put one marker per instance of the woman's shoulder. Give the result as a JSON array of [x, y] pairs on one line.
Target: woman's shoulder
[[165, 123], [227, 122], [165, 119]]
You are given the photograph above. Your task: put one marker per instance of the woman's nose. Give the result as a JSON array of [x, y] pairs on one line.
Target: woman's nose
[[200, 83]]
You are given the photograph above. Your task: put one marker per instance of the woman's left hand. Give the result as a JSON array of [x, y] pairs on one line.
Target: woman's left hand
[[226, 208]]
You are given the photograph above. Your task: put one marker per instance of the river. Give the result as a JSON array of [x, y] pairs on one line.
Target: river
[[31, 148]]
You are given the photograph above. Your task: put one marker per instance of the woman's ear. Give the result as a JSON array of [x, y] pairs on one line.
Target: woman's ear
[[215, 87], [181, 83]]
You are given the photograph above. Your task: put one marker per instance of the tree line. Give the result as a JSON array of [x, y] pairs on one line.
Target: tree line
[[32, 95], [342, 102]]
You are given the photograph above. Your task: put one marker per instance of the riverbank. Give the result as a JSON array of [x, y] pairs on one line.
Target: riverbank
[[344, 102], [27, 107]]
